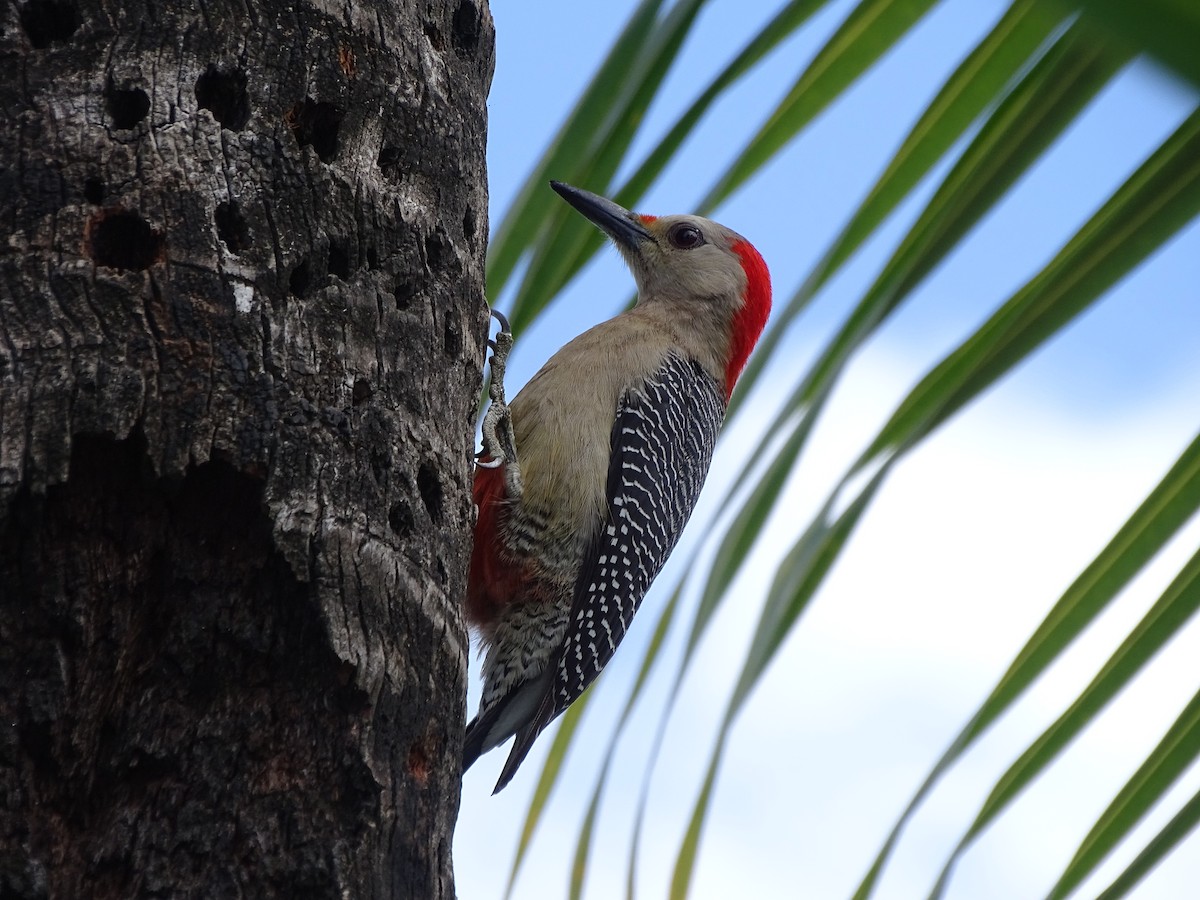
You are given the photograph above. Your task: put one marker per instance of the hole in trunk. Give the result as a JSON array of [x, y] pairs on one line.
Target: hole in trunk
[[316, 125], [120, 239], [126, 107], [47, 22], [224, 95], [231, 227]]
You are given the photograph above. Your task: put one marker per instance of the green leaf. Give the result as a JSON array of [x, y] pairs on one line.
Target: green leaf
[[989, 153], [528, 212], [1180, 826], [563, 227], [583, 845], [799, 576], [793, 15], [1168, 29], [1049, 97], [1168, 507], [743, 532], [1026, 122], [986, 74], [1168, 615], [794, 584], [1157, 200], [546, 781], [1045, 101], [575, 241], [872, 28], [994, 155], [685, 865], [1177, 750]]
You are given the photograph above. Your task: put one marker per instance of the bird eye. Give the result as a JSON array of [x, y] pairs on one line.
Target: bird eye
[[685, 237]]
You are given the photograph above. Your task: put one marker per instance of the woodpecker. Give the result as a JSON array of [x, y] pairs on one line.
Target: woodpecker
[[588, 477]]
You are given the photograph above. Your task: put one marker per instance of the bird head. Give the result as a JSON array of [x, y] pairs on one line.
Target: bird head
[[706, 269]]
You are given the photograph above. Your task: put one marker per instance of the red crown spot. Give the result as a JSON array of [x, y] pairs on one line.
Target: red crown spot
[[749, 321], [648, 219]]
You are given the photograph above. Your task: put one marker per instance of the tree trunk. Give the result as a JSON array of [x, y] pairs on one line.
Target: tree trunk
[[241, 333]]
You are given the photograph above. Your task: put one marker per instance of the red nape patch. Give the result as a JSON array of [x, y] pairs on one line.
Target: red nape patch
[[751, 319], [491, 582]]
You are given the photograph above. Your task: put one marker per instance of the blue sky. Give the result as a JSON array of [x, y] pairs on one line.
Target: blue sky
[[878, 677]]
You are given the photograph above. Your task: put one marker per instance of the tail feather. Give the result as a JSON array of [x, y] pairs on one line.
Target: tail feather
[[473, 742], [514, 713], [545, 714]]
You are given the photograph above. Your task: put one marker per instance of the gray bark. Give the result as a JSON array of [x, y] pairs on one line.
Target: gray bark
[[241, 334]]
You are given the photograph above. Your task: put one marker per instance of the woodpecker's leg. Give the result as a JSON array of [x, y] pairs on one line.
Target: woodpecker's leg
[[499, 442]]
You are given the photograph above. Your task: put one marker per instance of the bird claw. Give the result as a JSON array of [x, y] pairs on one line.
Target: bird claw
[[499, 441], [503, 320]]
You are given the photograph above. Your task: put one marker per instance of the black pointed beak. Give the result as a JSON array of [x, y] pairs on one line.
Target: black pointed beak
[[617, 222]]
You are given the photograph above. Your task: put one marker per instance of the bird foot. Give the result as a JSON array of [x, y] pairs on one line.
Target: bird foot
[[499, 441]]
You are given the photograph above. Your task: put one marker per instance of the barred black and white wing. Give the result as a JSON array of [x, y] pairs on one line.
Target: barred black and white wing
[[662, 444]]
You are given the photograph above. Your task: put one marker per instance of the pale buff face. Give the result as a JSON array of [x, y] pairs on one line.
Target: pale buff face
[[686, 257], [673, 258]]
